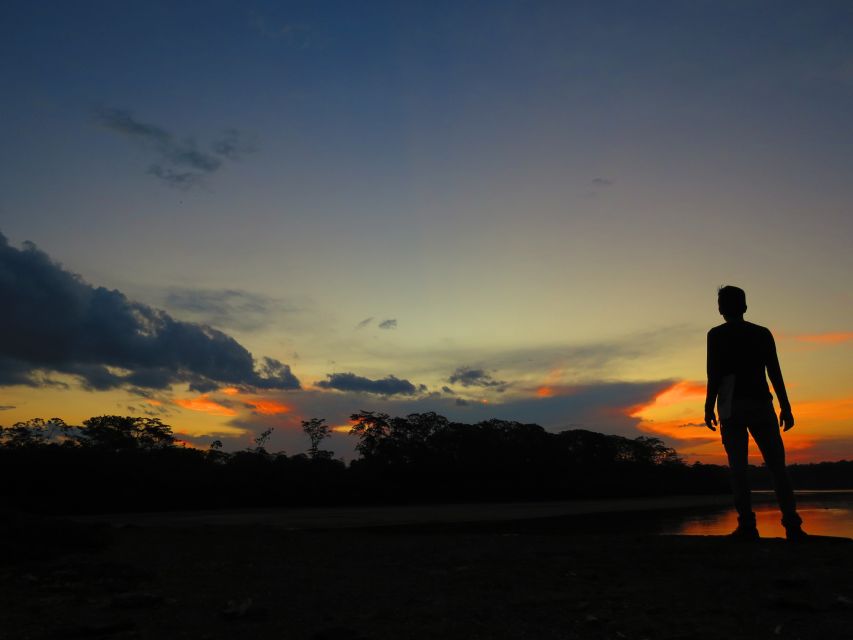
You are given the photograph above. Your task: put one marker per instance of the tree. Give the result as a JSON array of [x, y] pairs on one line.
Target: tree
[[122, 433], [35, 432], [317, 430], [215, 452], [261, 440], [372, 428]]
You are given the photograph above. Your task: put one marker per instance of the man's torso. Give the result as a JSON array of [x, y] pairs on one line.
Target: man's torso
[[742, 350]]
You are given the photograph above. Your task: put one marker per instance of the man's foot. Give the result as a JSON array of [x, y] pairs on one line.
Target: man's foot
[[744, 533], [793, 527], [795, 533]]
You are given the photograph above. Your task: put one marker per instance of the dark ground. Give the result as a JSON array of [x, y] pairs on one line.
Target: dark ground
[[561, 578]]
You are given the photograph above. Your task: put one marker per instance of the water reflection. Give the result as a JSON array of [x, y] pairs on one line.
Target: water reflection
[[824, 513]]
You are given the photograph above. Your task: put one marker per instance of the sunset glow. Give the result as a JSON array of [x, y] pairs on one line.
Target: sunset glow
[[268, 407], [205, 405], [827, 338], [505, 210]]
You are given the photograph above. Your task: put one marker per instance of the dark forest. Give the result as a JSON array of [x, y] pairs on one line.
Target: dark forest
[[122, 463]]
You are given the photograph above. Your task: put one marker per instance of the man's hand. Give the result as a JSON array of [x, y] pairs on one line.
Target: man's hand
[[786, 420], [711, 419]]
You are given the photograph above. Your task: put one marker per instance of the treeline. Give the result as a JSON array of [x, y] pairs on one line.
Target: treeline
[[120, 463]]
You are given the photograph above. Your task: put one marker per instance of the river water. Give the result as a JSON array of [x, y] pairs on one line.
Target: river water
[[825, 513]]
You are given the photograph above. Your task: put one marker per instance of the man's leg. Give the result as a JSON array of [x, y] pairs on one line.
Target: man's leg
[[736, 443], [765, 430]]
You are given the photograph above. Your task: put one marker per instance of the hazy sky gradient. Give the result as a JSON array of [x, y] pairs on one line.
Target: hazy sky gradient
[[549, 192]]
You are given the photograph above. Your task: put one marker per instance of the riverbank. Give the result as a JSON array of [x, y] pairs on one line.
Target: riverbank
[[404, 515], [503, 580]]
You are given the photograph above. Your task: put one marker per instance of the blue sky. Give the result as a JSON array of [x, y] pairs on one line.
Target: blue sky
[[517, 185]]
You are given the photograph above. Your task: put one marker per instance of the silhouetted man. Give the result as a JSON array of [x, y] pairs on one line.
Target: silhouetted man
[[739, 352]]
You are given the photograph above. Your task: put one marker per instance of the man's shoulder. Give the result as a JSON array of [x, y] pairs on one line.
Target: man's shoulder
[[757, 328], [713, 331]]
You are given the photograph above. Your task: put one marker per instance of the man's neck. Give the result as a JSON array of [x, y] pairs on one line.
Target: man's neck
[[733, 319]]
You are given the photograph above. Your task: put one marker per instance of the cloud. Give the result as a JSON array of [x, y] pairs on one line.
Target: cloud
[[267, 407], [179, 162], [225, 308], [469, 377], [390, 385], [364, 323], [177, 179], [837, 337], [205, 405], [390, 323], [56, 322], [601, 182], [6, 407], [232, 145]]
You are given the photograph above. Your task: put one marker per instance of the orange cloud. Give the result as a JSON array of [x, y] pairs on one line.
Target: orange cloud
[[205, 405], [550, 386], [187, 444], [269, 407], [837, 337], [682, 391], [230, 391], [675, 412]]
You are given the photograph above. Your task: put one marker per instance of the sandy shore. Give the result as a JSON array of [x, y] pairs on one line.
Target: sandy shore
[[544, 578], [369, 516]]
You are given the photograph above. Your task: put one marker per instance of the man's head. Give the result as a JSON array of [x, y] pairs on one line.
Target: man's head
[[731, 301]]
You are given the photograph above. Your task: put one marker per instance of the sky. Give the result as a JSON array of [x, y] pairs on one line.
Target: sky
[[236, 216]]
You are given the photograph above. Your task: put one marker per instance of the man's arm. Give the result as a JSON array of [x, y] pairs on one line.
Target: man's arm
[[774, 372], [713, 370]]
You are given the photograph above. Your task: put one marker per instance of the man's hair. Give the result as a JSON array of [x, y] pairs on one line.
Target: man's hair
[[732, 300]]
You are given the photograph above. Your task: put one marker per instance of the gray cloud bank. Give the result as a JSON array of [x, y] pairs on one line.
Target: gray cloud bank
[[388, 386], [54, 321], [470, 377], [390, 323], [180, 162]]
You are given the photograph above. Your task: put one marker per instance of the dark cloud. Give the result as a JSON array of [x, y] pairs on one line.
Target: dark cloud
[[601, 182], [232, 145], [147, 410], [177, 179], [470, 377], [447, 389], [15, 372], [180, 163], [6, 407], [364, 323], [387, 386], [390, 323], [225, 308], [54, 321]]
